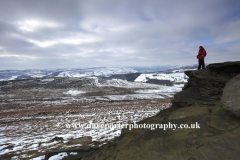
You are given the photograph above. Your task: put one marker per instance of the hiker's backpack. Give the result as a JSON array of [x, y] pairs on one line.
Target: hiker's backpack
[[205, 53]]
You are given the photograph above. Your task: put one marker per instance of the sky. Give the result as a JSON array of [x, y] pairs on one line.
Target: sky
[[41, 34]]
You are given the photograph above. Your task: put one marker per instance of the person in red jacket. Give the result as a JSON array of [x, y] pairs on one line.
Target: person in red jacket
[[200, 57]]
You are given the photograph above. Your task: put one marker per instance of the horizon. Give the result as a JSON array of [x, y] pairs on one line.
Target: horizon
[[105, 33], [130, 67]]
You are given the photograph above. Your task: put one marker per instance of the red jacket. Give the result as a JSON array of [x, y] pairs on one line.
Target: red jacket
[[201, 53]]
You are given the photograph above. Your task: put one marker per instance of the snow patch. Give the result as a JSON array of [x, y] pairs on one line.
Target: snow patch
[[47, 80], [38, 158], [174, 77], [13, 78], [74, 92], [59, 156]]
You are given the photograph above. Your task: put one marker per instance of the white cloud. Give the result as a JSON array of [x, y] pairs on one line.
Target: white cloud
[[80, 40], [26, 57], [43, 43], [33, 25]]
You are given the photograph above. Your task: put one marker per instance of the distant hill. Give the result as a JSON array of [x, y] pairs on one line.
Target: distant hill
[[85, 72]]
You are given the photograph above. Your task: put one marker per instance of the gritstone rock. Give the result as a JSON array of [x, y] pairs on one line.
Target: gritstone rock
[[231, 96]]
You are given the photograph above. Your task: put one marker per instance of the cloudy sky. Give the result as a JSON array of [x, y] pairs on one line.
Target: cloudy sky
[[37, 34]]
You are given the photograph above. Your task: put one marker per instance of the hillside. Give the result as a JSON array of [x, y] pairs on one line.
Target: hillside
[[217, 130]]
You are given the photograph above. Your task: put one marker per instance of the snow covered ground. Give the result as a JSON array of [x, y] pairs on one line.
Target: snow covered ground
[[84, 72], [32, 114], [96, 72], [174, 77], [35, 129]]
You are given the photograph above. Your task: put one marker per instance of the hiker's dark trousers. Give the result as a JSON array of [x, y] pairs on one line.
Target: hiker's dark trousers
[[201, 64]]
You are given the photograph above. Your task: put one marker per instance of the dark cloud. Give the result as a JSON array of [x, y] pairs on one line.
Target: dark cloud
[[79, 33]]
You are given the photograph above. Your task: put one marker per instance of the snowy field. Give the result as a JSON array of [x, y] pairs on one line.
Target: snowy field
[[174, 77], [38, 119], [35, 132]]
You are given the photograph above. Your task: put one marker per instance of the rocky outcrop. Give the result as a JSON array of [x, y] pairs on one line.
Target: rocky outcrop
[[206, 86], [231, 96]]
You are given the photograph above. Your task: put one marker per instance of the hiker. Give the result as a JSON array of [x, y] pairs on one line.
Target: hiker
[[201, 54]]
